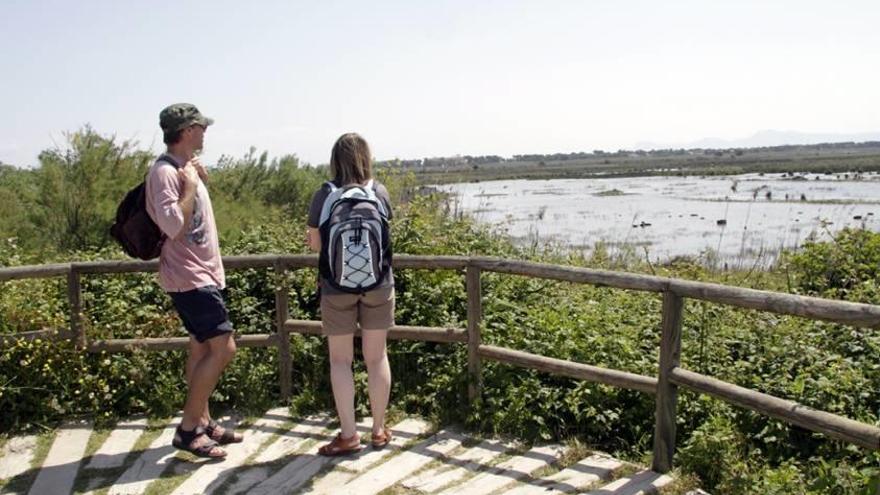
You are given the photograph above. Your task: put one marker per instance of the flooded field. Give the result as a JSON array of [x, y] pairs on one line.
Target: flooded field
[[739, 221]]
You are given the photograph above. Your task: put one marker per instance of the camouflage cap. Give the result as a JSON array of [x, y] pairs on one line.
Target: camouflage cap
[[180, 116]]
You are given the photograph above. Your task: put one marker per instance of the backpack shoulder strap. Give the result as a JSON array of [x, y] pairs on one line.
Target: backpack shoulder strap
[[373, 187], [332, 197], [165, 157]]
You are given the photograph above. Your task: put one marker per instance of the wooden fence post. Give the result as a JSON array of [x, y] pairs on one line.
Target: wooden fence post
[[474, 320], [667, 392], [281, 314], [74, 301]]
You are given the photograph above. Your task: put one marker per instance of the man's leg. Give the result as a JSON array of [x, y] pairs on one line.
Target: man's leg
[[204, 376], [197, 352]]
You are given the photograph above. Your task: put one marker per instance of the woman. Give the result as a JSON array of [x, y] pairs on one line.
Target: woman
[[342, 311]]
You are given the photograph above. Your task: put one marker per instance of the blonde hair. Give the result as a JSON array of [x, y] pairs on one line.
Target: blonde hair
[[350, 160]]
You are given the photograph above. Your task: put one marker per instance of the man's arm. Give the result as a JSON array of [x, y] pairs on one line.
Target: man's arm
[[173, 197], [189, 175]]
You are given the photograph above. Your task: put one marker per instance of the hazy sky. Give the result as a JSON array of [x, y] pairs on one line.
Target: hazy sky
[[437, 78]]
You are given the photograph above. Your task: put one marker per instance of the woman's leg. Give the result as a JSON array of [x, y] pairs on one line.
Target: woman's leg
[[378, 375], [341, 355]]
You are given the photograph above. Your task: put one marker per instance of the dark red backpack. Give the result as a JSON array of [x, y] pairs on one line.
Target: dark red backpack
[[138, 234]]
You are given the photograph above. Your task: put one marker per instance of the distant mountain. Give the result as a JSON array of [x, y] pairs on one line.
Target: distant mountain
[[766, 138]]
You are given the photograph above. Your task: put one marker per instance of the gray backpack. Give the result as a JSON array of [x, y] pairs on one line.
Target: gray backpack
[[355, 244]]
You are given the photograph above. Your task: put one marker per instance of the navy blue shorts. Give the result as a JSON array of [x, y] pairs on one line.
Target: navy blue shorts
[[203, 312]]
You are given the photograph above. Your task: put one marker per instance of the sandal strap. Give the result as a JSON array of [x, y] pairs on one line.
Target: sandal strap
[[205, 449], [187, 437], [338, 445], [228, 435], [384, 438]]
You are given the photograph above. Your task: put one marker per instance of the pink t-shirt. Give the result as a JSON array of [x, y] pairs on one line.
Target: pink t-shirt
[[191, 254]]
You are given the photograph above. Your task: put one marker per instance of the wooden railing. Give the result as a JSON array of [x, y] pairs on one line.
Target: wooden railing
[[665, 386]]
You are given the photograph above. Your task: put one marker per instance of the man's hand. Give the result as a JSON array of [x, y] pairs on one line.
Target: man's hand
[[201, 169], [190, 177]]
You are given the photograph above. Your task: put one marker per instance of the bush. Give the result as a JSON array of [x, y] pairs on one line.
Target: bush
[[847, 267]]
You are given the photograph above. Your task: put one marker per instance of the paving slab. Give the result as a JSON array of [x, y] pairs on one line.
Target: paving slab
[[465, 463], [118, 445], [578, 476], [210, 476], [149, 466], [641, 483], [309, 428], [392, 471], [16, 456], [347, 468], [509, 471], [59, 470], [299, 471], [402, 433], [285, 444]]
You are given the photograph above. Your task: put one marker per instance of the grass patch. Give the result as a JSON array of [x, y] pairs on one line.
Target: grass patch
[[575, 451], [98, 437], [681, 484], [610, 192], [396, 490]]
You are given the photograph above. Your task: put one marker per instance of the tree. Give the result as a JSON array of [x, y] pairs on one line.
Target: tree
[[80, 185]]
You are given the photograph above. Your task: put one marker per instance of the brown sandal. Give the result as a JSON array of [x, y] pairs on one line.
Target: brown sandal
[[342, 446], [186, 440], [221, 435], [382, 439]]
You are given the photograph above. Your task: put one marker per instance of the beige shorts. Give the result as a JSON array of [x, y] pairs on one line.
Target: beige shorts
[[373, 310]]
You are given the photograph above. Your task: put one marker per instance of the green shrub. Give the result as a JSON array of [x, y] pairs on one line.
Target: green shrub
[[847, 267]]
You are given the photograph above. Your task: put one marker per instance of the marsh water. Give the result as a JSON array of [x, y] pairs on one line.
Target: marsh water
[[738, 221]]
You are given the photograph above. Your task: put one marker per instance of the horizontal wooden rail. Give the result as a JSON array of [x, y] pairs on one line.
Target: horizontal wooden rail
[[587, 372], [791, 412], [174, 343], [605, 278], [861, 315], [115, 266], [848, 313], [44, 334], [230, 262], [397, 332], [864, 315], [34, 271], [431, 262]]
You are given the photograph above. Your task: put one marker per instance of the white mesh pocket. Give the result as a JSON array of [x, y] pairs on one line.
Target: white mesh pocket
[[357, 259]]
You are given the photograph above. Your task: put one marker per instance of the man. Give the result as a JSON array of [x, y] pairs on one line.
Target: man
[[191, 272]]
